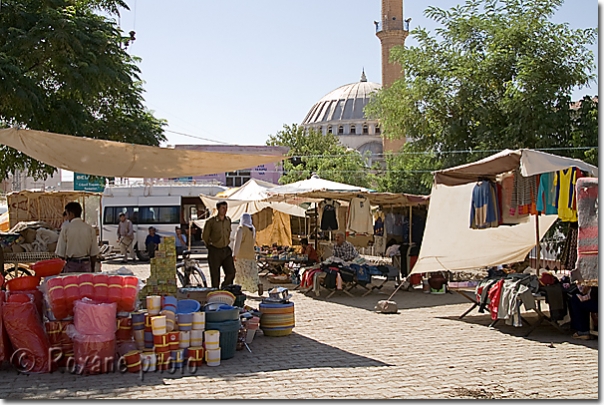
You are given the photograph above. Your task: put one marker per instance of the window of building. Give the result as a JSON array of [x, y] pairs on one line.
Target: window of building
[[353, 129], [341, 130], [329, 130], [377, 130], [365, 129], [238, 178]]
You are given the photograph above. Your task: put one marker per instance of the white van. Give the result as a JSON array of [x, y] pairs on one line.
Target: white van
[[163, 206]]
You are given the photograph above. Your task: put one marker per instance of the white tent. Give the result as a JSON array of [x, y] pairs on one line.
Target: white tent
[[450, 244], [250, 198], [292, 192]]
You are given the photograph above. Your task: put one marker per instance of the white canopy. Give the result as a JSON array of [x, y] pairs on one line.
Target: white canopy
[[450, 244], [249, 198], [290, 192], [116, 159]]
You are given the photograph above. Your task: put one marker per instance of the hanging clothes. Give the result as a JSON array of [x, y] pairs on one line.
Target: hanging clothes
[[484, 210], [565, 181], [524, 194], [360, 219], [378, 224], [569, 251], [329, 214], [546, 195], [509, 214]]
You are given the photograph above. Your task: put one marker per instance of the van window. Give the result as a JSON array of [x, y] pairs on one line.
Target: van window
[[111, 216], [159, 215]]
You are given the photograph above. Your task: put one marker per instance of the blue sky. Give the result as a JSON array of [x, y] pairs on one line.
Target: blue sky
[[237, 71]]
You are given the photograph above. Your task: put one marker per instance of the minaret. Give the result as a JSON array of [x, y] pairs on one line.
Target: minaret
[[392, 32]]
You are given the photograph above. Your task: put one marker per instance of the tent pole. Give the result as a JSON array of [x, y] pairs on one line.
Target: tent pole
[[316, 227], [538, 242]]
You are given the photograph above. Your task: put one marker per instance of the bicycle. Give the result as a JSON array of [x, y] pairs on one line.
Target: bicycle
[[189, 272]]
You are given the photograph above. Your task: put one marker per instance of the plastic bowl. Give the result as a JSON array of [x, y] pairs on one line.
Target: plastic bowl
[[47, 268], [187, 306], [24, 283]]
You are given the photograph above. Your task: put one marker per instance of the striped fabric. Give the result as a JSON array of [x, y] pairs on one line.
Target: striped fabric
[[587, 241]]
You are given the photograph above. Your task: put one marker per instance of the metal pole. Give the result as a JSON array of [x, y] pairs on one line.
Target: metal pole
[[538, 242]]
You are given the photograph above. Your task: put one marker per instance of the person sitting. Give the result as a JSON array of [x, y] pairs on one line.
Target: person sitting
[[309, 251], [152, 241], [180, 241], [581, 305], [344, 249]]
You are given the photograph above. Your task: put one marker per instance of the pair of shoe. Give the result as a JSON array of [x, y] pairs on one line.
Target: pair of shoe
[[576, 335]]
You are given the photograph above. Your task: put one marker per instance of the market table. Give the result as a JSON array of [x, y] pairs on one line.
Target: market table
[[541, 316], [275, 265]]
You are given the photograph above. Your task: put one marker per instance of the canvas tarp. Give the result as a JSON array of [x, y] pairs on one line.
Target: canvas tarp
[[115, 159], [385, 200], [450, 244], [291, 192], [272, 227]]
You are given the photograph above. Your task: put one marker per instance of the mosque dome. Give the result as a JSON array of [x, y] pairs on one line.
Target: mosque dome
[[344, 104]]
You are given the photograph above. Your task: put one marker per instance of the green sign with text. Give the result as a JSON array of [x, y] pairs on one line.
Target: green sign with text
[[85, 182]]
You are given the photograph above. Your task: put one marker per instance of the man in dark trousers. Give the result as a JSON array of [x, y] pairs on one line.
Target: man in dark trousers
[[216, 235], [77, 242]]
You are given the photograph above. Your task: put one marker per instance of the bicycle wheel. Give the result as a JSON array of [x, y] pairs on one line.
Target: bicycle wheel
[[196, 278], [15, 272]]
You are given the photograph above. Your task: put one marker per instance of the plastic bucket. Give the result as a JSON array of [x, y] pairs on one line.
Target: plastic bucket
[[199, 320], [153, 304], [115, 288], [148, 340], [187, 306], [86, 282], [173, 340], [158, 325], [185, 321], [178, 357], [56, 297], [229, 333], [196, 338], [170, 319], [124, 329], [163, 360], [250, 336], [138, 320], [213, 357], [211, 338], [195, 356], [139, 338], [184, 339], [161, 343], [133, 361], [101, 287], [149, 360], [72, 291], [129, 292], [169, 303]]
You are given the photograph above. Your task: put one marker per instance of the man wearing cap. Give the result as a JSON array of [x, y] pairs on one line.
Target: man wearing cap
[[151, 242], [77, 242], [216, 236]]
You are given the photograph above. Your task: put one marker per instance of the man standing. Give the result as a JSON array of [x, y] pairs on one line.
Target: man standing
[[77, 242], [344, 249], [180, 242], [125, 237], [216, 235]]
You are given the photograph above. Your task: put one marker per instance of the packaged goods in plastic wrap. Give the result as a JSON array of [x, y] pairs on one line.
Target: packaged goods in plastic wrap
[[5, 346], [95, 318], [86, 283], [71, 291], [27, 336], [101, 287], [38, 300], [94, 354], [130, 289]]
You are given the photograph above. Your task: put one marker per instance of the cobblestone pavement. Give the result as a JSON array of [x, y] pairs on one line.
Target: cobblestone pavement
[[342, 349]]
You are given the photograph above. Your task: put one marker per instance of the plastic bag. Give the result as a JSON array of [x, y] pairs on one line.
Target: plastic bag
[[6, 349], [94, 354], [95, 318], [27, 337], [38, 300]]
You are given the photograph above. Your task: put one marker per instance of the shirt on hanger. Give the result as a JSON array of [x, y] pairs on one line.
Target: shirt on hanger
[[359, 215], [329, 214], [546, 195], [565, 181]]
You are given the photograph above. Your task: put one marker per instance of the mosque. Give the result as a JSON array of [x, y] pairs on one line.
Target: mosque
[[341, 113]]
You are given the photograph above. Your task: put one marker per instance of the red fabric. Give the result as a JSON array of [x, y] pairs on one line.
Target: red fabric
[[494, 296], [27, 336], [5, 347]]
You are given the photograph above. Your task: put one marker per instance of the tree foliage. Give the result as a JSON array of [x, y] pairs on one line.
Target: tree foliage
[[64, 69], [315, 153], [497, 74]]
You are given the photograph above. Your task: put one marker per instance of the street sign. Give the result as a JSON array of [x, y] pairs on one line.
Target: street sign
[[83, 182]]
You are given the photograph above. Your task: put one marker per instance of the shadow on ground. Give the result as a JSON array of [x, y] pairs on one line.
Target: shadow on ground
[[268, 354], [544, 333]]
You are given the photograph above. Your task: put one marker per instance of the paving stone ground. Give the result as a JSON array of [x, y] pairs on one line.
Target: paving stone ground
[[342, 349]]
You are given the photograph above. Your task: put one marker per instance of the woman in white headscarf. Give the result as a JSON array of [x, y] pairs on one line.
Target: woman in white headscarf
[[246, 274]]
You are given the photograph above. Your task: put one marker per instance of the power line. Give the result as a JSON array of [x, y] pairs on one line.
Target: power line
[[196, 137]]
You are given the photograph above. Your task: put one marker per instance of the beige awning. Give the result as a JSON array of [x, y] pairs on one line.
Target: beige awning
[[115, 159], [385, 200]]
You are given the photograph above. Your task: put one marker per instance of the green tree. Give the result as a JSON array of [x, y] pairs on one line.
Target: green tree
[[497, 74], [314, 153], [64, 68]]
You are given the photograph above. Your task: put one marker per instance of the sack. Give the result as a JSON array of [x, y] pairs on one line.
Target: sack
[[347, 275], [386, 307]]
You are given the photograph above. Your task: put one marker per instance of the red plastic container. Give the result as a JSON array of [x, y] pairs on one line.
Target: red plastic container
[[24, 283], [101, 288], [124, 329], [115, 290], [86, 282], [56, 297], [72, 292], [19, 298], [38, 300], [129, 292], [47, 268]]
